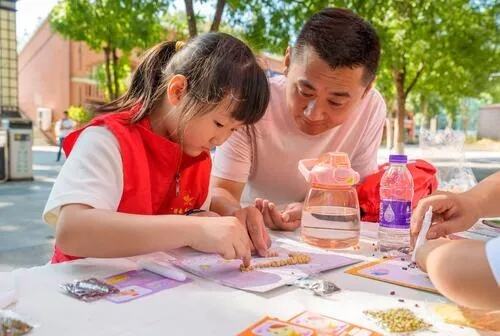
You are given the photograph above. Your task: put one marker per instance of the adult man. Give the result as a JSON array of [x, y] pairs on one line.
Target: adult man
[[325, 102]]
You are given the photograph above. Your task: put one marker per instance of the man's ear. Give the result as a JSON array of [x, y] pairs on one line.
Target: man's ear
[[287, 60], [369, 87]]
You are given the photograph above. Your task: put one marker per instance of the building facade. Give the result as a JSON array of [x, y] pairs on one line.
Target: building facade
[[9, 106], [55, 73], [489, 121]]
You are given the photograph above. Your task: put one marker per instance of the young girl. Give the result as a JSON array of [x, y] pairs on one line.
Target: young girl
[[131, 175]]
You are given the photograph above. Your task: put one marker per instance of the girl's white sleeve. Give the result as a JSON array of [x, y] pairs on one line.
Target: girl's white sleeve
[[92, 175]]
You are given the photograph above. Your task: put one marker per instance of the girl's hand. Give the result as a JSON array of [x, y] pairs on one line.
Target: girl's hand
[[288, 220], [252, 220], [225, 236]]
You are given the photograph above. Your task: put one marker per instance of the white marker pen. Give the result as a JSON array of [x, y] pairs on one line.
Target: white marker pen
[[421, 239], [163, 269]]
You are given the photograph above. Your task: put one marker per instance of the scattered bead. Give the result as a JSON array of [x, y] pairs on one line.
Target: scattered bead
[[412, 265]]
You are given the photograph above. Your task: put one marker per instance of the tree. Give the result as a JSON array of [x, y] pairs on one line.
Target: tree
[[182, 25], [448, 48], [193, 18], [113, 27], [466, 55]]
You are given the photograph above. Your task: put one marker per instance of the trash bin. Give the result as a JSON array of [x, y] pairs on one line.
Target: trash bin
[[19, 151], [3, 156]]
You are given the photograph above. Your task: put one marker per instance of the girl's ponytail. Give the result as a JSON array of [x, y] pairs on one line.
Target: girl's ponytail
[[145, 80]]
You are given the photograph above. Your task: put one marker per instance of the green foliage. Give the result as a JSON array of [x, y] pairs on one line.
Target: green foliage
[[114, 27], [175, 24], [447, 50], [122, 24], [79, 114], [123, 75]]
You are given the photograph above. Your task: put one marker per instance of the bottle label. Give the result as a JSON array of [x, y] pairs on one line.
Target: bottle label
[[395, 214]]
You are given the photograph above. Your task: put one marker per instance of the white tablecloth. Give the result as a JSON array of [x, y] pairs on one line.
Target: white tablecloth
[[200, 307]]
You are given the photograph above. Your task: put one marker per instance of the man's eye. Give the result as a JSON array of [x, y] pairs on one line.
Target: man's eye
[[218, 124], [307, 95], [334, 103]]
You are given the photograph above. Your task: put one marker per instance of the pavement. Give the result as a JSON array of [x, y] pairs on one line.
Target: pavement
[[25, 241]]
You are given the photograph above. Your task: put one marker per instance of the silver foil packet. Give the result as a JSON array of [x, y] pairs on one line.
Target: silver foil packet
[[318, 286], [89, 290]]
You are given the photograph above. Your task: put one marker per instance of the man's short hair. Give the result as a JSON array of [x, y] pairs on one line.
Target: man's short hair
[[342, 39]]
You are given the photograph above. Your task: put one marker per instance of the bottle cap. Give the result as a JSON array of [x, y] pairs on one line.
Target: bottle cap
[[398, 158]]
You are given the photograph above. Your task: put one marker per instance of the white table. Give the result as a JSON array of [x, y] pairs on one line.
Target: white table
[[200, 307]]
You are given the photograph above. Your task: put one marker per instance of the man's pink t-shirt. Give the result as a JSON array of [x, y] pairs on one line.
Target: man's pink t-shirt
[[272, 173]]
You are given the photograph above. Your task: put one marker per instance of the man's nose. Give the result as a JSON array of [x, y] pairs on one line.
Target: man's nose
[[313, 112]]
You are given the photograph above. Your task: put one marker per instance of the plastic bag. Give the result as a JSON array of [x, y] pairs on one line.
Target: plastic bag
[[445, 150]]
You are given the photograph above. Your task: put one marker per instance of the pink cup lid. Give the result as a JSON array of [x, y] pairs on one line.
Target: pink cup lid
[[331, 169]]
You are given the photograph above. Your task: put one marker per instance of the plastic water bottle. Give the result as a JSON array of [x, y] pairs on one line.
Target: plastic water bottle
[[396, 194]]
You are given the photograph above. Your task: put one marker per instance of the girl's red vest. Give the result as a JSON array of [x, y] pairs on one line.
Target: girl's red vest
[[151, 164]]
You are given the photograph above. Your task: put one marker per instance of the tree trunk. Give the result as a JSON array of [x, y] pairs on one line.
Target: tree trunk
[[108, 72], [115, 74], [434, 125], [424, 109], [389, 122], [464, 114], [191, 18], [219, 10], [399, 132]]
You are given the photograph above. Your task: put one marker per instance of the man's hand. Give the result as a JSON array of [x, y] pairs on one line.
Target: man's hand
[[254, 223], [288, 220]]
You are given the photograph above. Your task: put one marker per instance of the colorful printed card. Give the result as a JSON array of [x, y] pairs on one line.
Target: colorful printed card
[[227, 272], [139, 283], [396, 271], [327, 326], [274, 327], [479, 231]]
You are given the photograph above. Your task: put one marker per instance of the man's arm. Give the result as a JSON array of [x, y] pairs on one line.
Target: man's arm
[[226, 195]]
